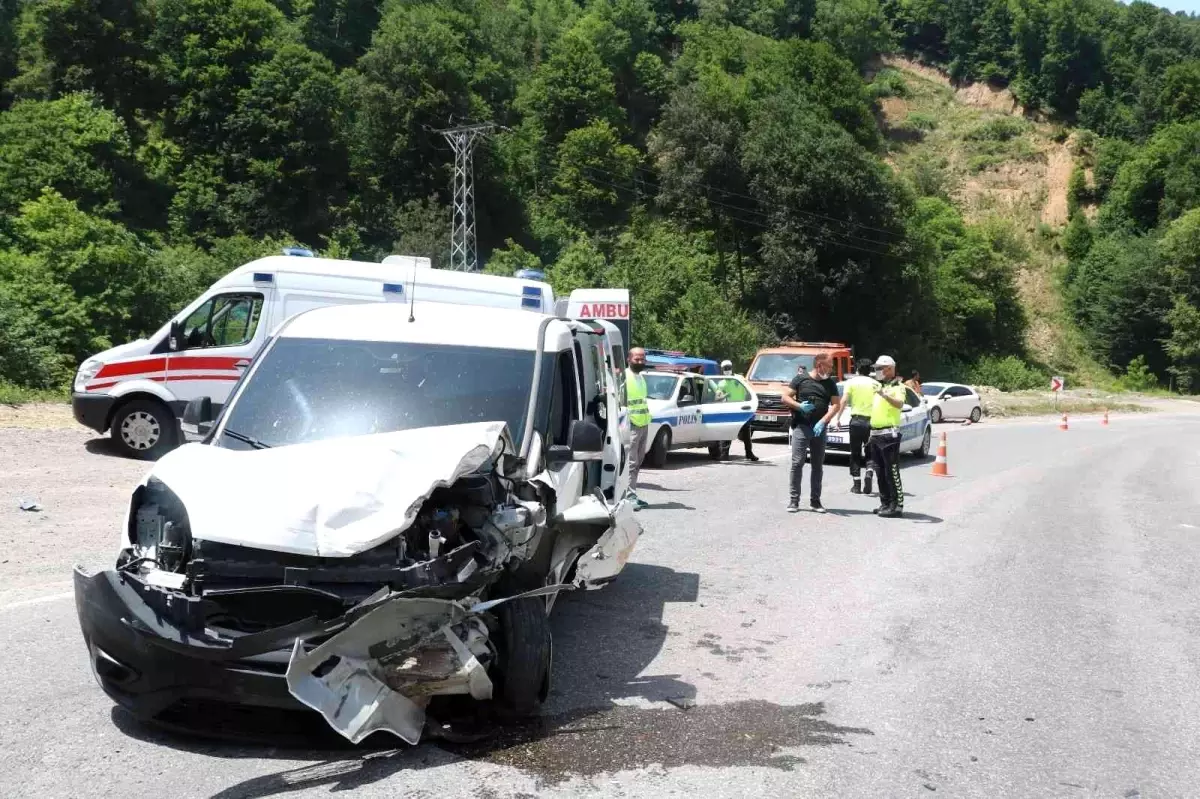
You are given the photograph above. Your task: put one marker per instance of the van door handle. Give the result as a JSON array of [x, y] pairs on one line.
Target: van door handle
[[242, 364], [745, 407]]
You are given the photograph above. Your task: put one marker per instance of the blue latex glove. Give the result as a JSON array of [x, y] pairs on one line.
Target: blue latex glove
[[818, 429], [807, 406]]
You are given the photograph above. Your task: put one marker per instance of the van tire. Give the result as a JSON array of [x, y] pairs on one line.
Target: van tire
[[656, 458], [143, 429], [522, 670]]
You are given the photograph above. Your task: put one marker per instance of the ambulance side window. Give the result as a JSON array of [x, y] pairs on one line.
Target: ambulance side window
[[227, 320]]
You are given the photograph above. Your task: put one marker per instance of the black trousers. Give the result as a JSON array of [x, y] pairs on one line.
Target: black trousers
[[746, 436], [885, 452], [860, 434]]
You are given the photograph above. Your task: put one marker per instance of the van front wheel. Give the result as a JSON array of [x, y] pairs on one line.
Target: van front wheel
[[143, 429]]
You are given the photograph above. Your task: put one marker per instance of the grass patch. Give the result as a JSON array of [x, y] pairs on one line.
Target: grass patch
[[19, 395], [1002, 406]]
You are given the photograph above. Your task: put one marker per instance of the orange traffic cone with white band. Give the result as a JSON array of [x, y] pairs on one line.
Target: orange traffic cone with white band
[[1104, 421], [1063, 424], [939, 464]]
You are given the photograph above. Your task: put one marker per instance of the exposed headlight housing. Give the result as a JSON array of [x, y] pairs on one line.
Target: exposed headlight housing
[[87, 371], [158, 526]]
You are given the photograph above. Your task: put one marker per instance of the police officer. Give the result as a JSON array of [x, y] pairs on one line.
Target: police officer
[[885, 438], [639, 419], [859, 394], [731, 390]]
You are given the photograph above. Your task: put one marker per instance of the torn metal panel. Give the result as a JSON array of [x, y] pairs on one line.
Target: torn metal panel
[[378, 672], [603, 562], [332, 498]]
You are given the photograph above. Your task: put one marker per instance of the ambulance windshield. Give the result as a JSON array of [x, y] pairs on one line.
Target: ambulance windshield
[[313, 389]]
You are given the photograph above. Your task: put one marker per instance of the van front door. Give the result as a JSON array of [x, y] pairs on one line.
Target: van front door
[[220, 338]]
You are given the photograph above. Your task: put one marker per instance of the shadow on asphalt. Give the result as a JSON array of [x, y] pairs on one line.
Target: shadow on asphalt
[[103, 446], [923, 518], [603, 642], [668, 506]]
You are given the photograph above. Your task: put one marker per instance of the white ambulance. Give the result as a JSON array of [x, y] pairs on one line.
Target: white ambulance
[[138, 389]]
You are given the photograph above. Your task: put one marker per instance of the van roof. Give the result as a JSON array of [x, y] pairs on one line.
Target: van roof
[[397, 269], [803, 347], [435, 323]]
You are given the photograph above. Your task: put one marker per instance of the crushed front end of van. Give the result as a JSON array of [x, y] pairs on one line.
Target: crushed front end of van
[[360, 578]]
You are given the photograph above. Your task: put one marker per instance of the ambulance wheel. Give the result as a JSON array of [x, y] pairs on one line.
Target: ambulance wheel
[[143, 429], [522, 676], [935, 415], [656, 458]]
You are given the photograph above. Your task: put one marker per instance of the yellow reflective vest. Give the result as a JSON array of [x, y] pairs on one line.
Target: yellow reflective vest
[[635, 392], [883, 413]]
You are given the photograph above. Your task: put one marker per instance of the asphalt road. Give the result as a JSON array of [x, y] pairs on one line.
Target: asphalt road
[[1033, 629]]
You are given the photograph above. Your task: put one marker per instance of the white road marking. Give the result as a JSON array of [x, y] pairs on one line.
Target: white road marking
[[37, 600]]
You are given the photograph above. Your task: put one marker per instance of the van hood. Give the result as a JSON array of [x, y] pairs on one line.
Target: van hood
[[333, 498], [121, 351]]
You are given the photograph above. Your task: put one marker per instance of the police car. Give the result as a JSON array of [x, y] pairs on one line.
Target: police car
[[915, 432], [692, 410]]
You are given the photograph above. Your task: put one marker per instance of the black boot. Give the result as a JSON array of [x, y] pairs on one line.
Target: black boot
[[891, 512], [857, 487], [867, 482]]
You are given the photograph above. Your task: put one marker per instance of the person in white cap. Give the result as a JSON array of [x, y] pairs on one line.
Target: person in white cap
[[885, 438], [731, 390]]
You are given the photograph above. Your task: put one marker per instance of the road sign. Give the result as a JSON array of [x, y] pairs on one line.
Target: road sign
[[1056, 384]]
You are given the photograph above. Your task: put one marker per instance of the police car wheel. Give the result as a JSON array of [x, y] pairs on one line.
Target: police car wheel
[[656, 458], [935, 415], [926, 441], [143, 429]]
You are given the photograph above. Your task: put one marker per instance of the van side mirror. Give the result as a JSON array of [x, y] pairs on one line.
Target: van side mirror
[[585, 442], [175, 336], [197, 418]]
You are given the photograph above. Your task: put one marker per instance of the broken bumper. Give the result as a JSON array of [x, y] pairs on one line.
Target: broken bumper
[[139, 663]]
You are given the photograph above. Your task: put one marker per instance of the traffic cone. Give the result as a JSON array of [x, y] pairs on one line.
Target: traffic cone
[[940, 468], [1063, 424], [1104, 421]]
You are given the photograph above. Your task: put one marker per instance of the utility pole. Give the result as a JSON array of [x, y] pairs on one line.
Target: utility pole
[[464, 255]]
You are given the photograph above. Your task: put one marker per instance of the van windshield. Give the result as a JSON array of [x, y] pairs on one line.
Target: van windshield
[[779, 367], [313, 389]]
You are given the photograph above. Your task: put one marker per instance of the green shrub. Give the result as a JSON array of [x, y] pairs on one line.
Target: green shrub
[[1138, 376], [889, 83], [999, 129], [981, 163], [1009, 373], [920, 121]]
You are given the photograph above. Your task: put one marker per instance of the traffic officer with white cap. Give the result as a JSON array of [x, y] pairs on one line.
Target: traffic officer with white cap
[[885, 437]]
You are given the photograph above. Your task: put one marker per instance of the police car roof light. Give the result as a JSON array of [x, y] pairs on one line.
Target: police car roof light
[[530, 274], [299, 252]]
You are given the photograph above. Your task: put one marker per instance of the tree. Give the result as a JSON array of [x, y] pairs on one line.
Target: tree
[[857, 29], [96, 46], [593, 177], [72, 145]]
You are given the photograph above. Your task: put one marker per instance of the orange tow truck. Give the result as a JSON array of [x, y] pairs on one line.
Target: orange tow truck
[[773, 369]]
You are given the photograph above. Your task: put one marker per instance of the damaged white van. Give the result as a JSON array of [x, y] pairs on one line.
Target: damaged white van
[[379, 519]]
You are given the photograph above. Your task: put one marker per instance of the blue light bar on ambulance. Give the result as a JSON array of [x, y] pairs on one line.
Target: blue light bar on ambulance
[[264, 277], [393, 291], [531, 297], [299, 252]]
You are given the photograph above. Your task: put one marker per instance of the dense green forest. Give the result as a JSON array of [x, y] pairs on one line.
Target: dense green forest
[[721, 158]]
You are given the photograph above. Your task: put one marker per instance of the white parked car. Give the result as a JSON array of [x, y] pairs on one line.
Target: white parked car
[[952, 401], [915, 432], [689, 410]]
